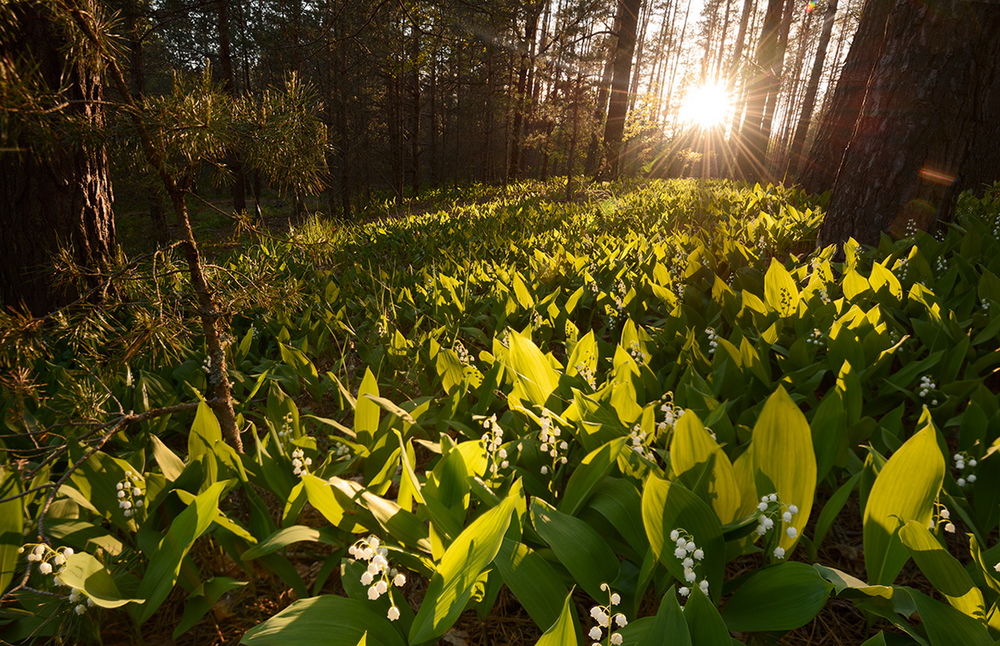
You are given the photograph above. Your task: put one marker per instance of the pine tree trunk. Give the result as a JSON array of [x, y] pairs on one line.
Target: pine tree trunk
[[54, 195], [809, 100], [614, 127], [917, 128], [239, 189], [756, 128], [837, 126]]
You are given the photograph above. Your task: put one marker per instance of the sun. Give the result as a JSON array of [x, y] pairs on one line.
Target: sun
[[706, 105]]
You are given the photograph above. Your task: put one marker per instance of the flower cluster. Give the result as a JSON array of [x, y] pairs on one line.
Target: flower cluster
[[537, 320], [587, 375], [671, 412], [551, 444], [769, 509], [496, 455], [941, 265], [926, 387], [817, 338], [943, 517], [285, 432], [639, 441], [713, 342], [911, 228], [963, 460], [378, 576], [130, 496], [635, 351], [618, 297], [300, 463], [80, 601], [984, 303], [689, 554], [463, 355], [48, 559], [902, 269], [607, 619]]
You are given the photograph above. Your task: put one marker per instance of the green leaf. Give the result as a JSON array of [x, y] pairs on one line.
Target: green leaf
[[565, 629], [85, 573], [165, 561], [453, 582], [577, 545], [781, 597], [11, 527], [534, 581], [169, 463], [366, 411], [669, 627], [702, 465], [780, 290], [904, 490], [706, 626], [591, 470], [327, 620], [669, 505], [534, 377], [283, 538], [943, 570], [782, 460], [946, 626]]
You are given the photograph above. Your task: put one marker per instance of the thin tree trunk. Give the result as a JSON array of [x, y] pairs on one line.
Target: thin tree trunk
[[239, 191], [796, 160], [614, 127]]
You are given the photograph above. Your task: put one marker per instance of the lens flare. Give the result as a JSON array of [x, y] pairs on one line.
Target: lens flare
[[706, 106]]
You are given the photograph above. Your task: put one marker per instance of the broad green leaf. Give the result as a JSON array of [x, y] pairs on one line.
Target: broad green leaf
[[943, 570], [577, 545], [669, 627], [463, 562], [282, 538], [946, 626], [534, 377], [782, 460], [588, 473], [780, 290], [695, 454], [667, 506], [201, 601], [533, 580], [565, 630], [904, 490], [366, 411], [165, 561], [706, 626], [327, 620], [85, 573], [780, 597], [11, 527], [170, 464]]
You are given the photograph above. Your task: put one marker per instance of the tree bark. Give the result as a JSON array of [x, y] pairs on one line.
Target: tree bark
[[837, 125], [614, 127], [239, 189], [917, 127], [756, 130], [54, 194]]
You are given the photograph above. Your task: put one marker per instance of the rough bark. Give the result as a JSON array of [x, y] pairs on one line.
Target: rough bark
[[55, 188], [761, 89], [917, 127], [837, 124], [238, 188]]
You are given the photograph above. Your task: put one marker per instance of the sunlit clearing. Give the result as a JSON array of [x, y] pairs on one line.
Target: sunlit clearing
[[705, 106]]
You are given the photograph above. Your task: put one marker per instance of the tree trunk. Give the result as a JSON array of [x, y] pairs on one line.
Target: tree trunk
[[809, 100], [525, 65], [614, 127], [837, 126], [917, 128], [54, 195], [239, 189], [756, 128]]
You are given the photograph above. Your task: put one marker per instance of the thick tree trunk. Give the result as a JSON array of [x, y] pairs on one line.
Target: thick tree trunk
[[837, 125], [918, 128], [756, 130], [809, 100], [614, 127], [601, 107], [54, 195]]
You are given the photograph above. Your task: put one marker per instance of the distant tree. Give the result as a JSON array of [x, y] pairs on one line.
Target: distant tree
[[922, 119], [614, 126], [55, 188]]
